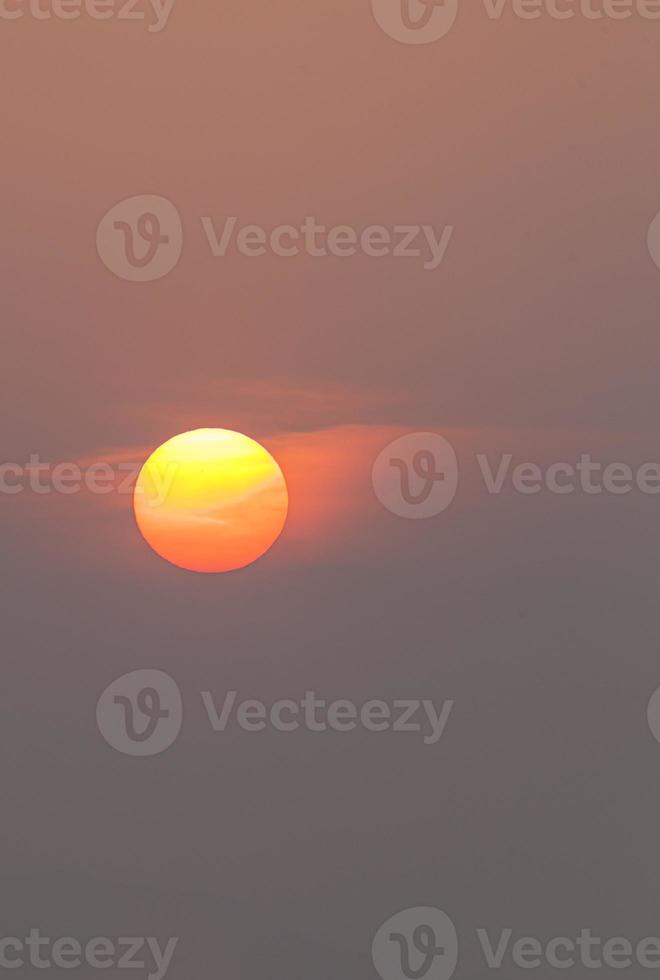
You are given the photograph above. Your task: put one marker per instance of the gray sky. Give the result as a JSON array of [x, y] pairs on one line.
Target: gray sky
[[274, 853]]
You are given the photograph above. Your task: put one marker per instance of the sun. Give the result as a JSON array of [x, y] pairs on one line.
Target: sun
[[211, 500]]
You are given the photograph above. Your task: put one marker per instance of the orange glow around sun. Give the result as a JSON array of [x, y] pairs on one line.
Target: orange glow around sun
[[210, 500]]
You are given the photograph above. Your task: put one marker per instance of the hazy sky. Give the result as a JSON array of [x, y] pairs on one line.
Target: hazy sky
[[273, 854]]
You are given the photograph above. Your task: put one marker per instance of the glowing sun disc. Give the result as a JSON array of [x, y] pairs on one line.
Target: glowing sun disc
[[210, 500]]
